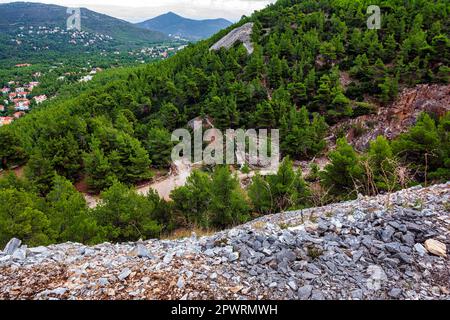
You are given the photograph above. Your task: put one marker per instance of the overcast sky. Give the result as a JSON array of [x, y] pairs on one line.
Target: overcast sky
[[139, 10]]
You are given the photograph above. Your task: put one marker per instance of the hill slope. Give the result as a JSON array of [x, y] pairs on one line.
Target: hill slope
[[314, 64], [175, 25], [29, 27], [371, 248]]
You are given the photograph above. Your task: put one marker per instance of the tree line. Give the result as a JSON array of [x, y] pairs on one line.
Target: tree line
[[216, 200]]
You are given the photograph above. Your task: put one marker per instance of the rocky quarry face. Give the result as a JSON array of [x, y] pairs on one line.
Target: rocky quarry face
[[241, 34], [386, 247], [398, 117]]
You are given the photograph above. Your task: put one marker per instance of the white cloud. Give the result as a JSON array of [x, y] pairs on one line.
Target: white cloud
[[138, 10]]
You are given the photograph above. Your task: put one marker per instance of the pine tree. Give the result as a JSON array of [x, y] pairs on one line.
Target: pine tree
[[159, 146], [228, 206], [40, 172], [288, 189], [193, 199], [260, 195], [124, 215], [344, 173], [381, 161], [68, 214], [265, 116], [11, 149], [420, 147], [99, 170]]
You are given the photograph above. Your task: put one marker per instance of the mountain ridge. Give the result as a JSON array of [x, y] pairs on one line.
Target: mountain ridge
[[176, 25], [31, 14]]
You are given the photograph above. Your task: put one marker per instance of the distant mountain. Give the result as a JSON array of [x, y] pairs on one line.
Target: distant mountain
[[175, 25], [44, 26]]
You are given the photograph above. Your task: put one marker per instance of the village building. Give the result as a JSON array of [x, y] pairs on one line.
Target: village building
[[32, 84], [22, 94], [40, 99], [22, 65], [18, 114], [6, 90], [2, 108], [6, 120], [21, 104], [86, 78]]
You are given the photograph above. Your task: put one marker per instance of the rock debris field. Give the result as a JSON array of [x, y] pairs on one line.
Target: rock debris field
[[386, 247]]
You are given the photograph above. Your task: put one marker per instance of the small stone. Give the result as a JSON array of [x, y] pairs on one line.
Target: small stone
[[141, 251], [308, 275], [404, 257], [19, 254], [392, 247], [38, 250], [236, 289], [377, 277], [168, 258], [103, 282], [12, 246], [420, 249], [180, 282], [395, 293], [386, 234], [124, 274], [305, 292], [357, 294], [233, 256], [317, 295], [293, 285], [58, 291], [436, 247], [5, 259]]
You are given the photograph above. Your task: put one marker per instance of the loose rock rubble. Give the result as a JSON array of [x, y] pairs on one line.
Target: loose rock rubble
[[385, 247]]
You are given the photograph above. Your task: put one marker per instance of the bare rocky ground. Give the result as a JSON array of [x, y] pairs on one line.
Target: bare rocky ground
[[398, 117], [386, 247]]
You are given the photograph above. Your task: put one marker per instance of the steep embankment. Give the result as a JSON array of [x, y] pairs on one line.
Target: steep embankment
[[389, 246], [399, 116]]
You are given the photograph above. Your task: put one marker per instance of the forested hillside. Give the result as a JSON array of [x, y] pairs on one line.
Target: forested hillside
[[34, 29], [113, 134]]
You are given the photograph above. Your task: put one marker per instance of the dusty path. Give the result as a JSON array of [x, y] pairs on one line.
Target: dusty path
[[182, 169]]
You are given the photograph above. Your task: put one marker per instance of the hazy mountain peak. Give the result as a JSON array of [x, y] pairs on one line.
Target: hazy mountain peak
[[173, 24]]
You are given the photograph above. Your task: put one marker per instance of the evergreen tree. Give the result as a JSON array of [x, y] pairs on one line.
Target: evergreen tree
[[344, 173], [260, 195], [11, 149], [288, 189], [265, 116], [124, 215], [420, 146], [228, 206], [68, 214], [193, 199], [159, 146], [40, 173]]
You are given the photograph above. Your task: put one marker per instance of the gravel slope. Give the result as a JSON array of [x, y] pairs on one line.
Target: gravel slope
[[385, 247]]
